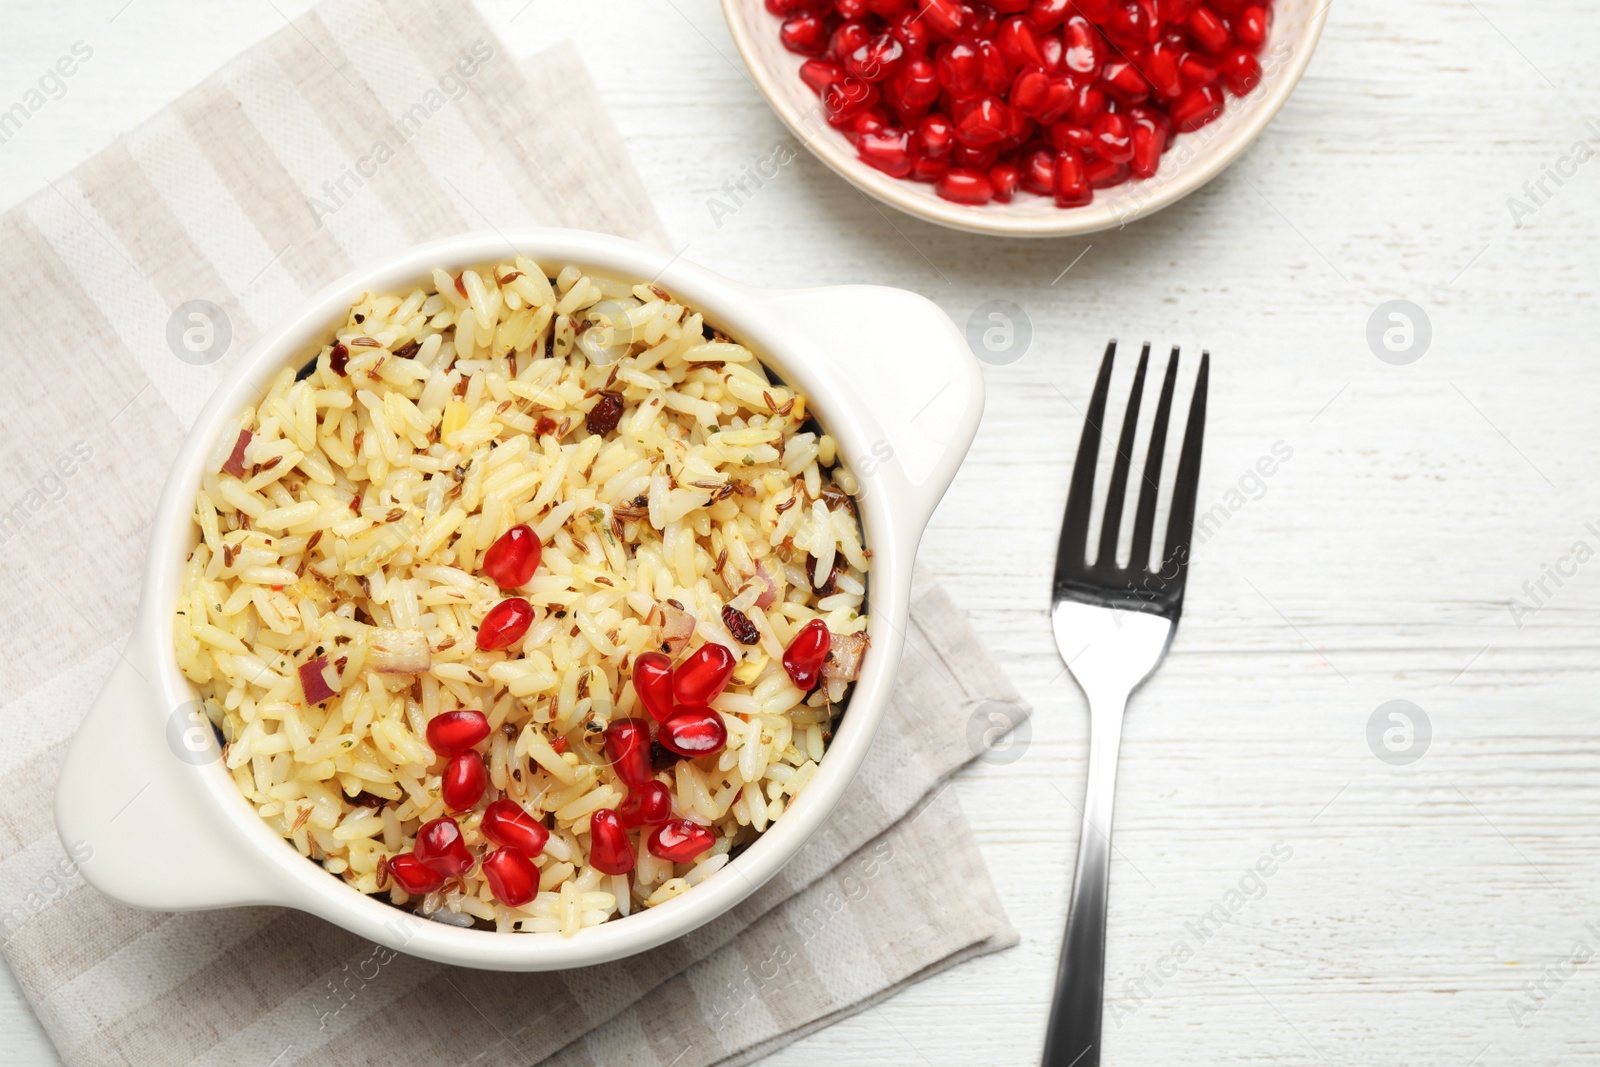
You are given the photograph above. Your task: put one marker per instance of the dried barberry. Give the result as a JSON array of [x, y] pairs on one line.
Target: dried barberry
[[739, 624], [662, 758], [829, 585], [605, 414]]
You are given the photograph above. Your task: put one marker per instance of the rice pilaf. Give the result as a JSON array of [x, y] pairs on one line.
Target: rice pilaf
[[681, 497]]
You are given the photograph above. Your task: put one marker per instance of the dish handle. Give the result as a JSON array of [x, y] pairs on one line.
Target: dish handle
[[132, 809], [912, 384]]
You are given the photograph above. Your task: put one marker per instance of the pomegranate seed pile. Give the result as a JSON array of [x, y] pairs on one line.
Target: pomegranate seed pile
[[1054, 97], [528, 602]]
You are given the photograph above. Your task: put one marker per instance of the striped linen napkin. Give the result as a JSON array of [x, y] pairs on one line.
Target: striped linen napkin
[[363, 127]]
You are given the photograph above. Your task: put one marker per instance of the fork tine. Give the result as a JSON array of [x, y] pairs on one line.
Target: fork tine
[[1144, 520], [1111, 524], [1180, 523], [1070, 555]]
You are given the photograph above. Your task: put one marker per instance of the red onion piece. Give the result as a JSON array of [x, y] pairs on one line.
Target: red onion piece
[[313, 682], [235, 464]]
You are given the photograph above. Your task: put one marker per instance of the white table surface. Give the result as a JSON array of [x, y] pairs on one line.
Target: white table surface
[[1378, 563]]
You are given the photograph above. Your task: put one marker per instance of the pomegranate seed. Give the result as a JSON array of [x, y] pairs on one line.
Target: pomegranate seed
[[806, 654], [936, 136], [1028, 92], [1096, 10], [1113, 138], [1017, 42], [873, 120], [1103, 173], [819, 74], [805, 34], [983, 121], [610, 851], [1122, 80], [652, 680], [994, 71], [960, 69], [912, 32], [1251, 27], [1005, 180], [1133, 24], [1046, 15], [965, 186], [694, 732], [513, 558], [1085, 49], [844, 100], [1148, 144], [851, 9], [914, 90], [414, 876], [451, 732], [1009, 7], [966, 157], [944, 17], [889, 8], [847, 39], [1042, 96], [1161, 69], [1208, 30], [1051, 51], [890, 152], [512, 877], [981, 20], [1039, 171], [1152, 117], [680, 841], [1071, 187], [1197, 70], [628, 749], [464, 781], [440, 846], [1068, 135], [1087, 107], [928, 170], [1241, 72], [1196, 108], [881, 57], [505, 624], [649, 805], [506, 824], [703, 675]]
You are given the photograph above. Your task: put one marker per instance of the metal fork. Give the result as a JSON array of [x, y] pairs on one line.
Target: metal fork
[[1113, 625]]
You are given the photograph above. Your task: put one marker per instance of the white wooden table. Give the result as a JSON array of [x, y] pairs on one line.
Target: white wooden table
[[1427, 913]]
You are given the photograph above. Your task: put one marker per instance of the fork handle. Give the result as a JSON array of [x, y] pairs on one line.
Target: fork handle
[[1073, 1036]]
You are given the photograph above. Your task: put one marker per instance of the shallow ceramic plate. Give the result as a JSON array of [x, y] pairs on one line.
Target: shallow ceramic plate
[[1194, 159]]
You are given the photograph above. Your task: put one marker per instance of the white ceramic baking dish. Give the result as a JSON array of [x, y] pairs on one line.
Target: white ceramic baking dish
[[889, 376]]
